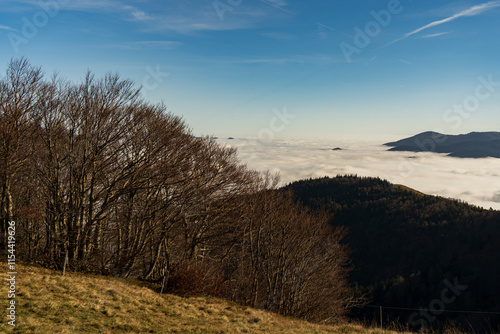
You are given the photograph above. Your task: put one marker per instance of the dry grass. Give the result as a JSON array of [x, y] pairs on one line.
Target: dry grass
[[402, 187], [78, 303]]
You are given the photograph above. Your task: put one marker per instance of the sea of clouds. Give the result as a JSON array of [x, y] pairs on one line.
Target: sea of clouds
[[475, 181]]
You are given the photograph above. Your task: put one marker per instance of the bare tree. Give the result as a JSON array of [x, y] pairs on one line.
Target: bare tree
[[106, 182], [290, 261], [20, 91]]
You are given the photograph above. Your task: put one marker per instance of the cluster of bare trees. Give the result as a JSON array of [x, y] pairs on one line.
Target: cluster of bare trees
[[96, 177], [289, 261]]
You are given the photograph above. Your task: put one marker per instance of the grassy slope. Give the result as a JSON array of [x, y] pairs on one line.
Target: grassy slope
[[403, 187], [77, 303]]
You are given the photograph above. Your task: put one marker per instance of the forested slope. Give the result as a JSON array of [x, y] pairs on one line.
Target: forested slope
[[405, 245]]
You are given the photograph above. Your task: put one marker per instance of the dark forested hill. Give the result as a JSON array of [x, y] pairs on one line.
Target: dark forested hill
[[471, 145], [406, 245]]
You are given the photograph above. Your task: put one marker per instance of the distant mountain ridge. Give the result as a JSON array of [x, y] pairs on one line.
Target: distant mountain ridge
[[471, 145]]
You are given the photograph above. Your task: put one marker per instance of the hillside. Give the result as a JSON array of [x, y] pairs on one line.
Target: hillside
[[405, 245], [471, 145], [97, 178], [79, 303]]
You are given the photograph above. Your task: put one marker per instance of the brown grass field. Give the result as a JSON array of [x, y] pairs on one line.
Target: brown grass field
[[47, 302]]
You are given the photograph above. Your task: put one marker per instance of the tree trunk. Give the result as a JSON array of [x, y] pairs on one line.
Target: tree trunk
[[65, 263]]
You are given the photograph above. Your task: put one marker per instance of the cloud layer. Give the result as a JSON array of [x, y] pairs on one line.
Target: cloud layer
[[476, 181]]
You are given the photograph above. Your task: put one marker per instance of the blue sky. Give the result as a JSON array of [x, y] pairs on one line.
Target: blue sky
[[280, 68]]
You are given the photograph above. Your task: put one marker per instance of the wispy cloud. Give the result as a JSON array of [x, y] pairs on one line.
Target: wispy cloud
[[436, 34], [405, 61], [281, 36], [185, 17], [268, 61], [318, 59], [139, 15], [323, 31], [206, 20], [472, 11], [279, 3], [147, 44], [2, 27], [91, 6], [189, 16], [296, 59], [83, 5]]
